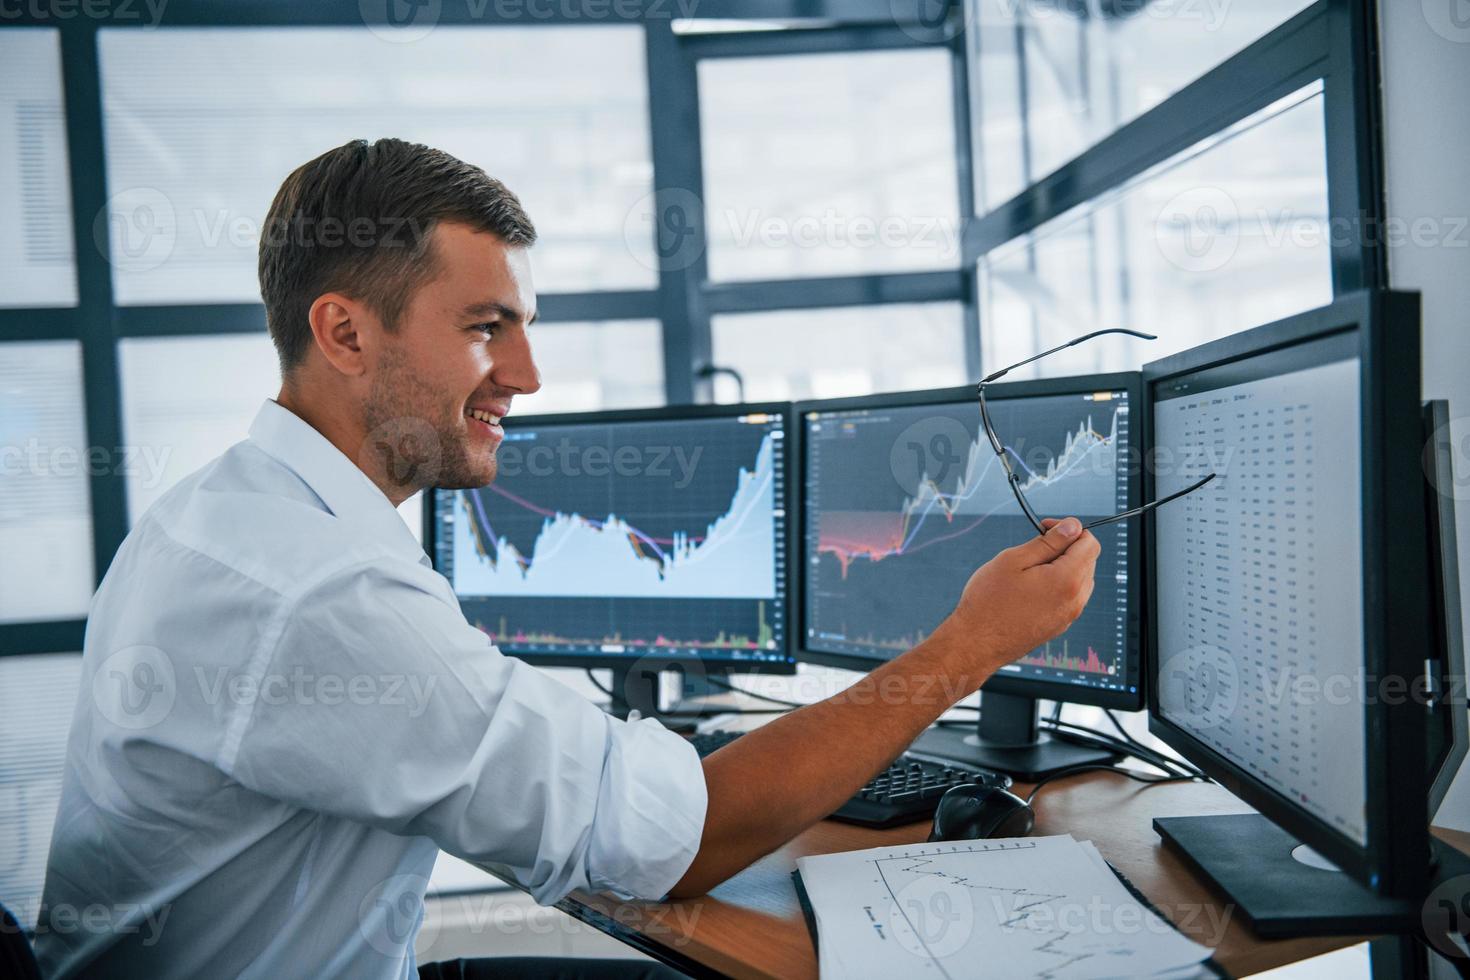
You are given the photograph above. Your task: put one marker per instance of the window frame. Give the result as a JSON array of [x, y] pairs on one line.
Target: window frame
[[1334, 40]]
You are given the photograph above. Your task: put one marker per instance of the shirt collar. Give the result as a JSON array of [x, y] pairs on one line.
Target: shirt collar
[[345, 489]]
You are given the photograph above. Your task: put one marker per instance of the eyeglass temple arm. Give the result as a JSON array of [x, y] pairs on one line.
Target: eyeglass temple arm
[[1071, 343], [1151, 504]]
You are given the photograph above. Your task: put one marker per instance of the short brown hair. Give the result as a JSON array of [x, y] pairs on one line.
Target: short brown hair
[[359, 219]]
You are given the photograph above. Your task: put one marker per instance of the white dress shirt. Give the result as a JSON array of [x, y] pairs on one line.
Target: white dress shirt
[[284, 715]]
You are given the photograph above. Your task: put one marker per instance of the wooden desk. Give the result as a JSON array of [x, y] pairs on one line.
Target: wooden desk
[[752, 926]]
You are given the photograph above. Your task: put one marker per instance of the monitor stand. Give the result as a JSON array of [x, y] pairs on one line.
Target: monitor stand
[[1009, 738], [638, 689], [1279, 885]]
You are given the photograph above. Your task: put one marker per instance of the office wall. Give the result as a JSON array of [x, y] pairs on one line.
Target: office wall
[[1426, 136]]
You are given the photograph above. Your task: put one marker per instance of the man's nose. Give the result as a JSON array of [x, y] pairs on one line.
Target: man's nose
[[516, 366]]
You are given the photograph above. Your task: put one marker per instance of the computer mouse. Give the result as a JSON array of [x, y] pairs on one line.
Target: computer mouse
[[973, 811]]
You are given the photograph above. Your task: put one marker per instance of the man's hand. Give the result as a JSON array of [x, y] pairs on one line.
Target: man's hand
[[1025, 595], [776, 781]]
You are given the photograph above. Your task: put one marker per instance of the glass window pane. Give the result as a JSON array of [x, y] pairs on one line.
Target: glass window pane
[[1231, 234], [829, 164], [185, 400], [829, 353], [37, 697], [1049, 80], [202, 126], [37, 263], [46, 568], [188, 399], [596, 364]]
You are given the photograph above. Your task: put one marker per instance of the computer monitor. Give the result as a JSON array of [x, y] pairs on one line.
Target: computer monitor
[[1289, 610], [1448, 737], [903, 498], [639, 540]]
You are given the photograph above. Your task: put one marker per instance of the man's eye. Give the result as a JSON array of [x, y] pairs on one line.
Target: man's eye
[[488, 329]]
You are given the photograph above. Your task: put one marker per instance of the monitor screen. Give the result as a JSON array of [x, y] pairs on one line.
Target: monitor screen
[[611, 538], [1259, 576], [904, 501]]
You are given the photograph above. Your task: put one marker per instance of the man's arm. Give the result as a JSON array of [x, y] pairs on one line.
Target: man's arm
[[771, 784]]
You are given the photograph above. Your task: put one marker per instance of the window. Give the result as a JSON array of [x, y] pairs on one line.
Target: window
[[886, 206], [592, 365], [37, 695], [1230, 234], [45, 498], [37, 264], [830, 353], [829, 164], [186, 400], [1051, 80], [202, 126]]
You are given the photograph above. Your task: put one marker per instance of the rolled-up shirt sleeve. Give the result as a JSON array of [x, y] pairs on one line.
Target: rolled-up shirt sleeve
[[373, 699]]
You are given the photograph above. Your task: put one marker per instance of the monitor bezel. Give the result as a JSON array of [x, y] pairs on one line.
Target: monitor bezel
[[1395, 858], [1450, 723], [1131, 381], [668, 413]]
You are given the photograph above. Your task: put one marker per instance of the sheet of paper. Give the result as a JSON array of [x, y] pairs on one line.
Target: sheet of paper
[[1045, 907]]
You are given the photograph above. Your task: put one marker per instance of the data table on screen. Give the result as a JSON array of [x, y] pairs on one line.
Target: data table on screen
[[1258, 582]]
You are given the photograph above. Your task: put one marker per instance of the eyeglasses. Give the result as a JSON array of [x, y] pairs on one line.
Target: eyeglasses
[[1015, 480]]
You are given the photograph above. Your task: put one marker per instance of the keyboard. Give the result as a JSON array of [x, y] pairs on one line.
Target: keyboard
[[907, 791]]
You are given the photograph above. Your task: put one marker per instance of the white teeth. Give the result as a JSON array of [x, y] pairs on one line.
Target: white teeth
[[483, 416]]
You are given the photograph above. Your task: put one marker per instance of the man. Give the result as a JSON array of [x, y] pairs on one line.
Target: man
[[285, 715]]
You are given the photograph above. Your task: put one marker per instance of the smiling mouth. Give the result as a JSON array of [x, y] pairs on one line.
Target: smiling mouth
[[486, 420]]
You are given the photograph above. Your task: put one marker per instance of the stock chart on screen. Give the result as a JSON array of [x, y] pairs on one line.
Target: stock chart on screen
[[626, 537], [903, 503]]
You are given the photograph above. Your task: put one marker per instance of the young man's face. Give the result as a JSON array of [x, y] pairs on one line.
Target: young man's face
[[460, 353]]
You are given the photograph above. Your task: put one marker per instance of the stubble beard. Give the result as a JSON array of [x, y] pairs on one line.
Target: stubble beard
[[414, 442]]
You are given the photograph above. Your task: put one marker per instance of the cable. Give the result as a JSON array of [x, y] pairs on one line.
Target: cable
[[717, 710], [1131, 740], [1082, 735], [711, 370], [1138, 777], [751, 694], [1128, 745], [598, 684]]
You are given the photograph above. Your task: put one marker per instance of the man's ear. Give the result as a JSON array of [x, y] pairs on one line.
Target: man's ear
[[337, 323]]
